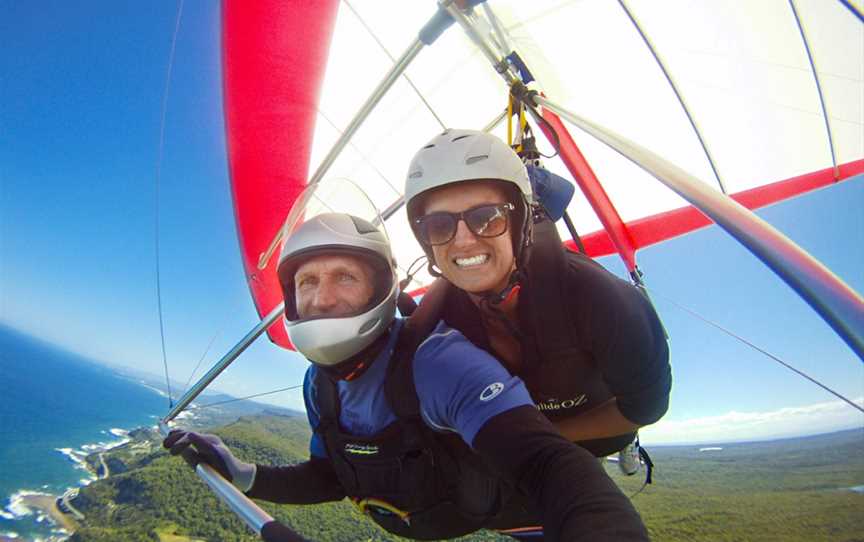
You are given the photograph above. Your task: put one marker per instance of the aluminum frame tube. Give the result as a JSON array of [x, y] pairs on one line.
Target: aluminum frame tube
[[246, 509], [223, 363], [396, 205], [251, 514], [495, 122], [837, 303], [600, 202], [392, 76], [484, 46], [592, 189], [501, 35]]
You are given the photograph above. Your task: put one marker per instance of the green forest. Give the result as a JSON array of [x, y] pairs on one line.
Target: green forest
[[783, 490]]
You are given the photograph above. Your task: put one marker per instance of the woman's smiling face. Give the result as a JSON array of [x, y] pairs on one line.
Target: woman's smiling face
[[472, 263]]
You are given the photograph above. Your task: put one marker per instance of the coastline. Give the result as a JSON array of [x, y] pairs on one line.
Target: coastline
[[35, 510], [47, 504], [61, 430], [44, 506]]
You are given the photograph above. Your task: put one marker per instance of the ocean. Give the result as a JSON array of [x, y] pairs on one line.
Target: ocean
[[55, 408]]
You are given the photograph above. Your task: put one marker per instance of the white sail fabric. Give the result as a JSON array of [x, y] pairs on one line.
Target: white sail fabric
[[742, 69]]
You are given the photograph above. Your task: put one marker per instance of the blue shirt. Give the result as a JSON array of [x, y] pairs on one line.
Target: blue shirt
[[460, 388]]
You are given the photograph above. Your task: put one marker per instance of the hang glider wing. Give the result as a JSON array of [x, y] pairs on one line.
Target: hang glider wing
[[761, 100]]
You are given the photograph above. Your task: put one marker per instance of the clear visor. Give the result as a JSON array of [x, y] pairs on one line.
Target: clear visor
[[366, 239], [338, 195]]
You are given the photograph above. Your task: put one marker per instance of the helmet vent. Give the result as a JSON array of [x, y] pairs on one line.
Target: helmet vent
[[455, 139], [429, 146], [416, 174], [474, 159], [362, 226]]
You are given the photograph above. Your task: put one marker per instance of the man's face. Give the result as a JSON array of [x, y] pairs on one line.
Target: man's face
[[332, 285], [472, 263]]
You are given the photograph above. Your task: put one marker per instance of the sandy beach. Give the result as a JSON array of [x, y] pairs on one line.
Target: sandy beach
[[47, 505]]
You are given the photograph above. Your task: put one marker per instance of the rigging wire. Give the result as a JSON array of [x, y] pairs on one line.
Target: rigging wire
[[410, 272], [200, 360], [161, 148], [758, 349], [198, 407], [363, 156], [393, 59]]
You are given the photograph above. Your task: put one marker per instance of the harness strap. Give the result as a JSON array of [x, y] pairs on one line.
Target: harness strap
[[327, 400], [367, 505], [328, 427], [546, 300], [401, 391], [399, 385], [649, 467]]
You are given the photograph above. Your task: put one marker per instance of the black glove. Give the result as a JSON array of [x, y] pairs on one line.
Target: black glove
[[203, 448]]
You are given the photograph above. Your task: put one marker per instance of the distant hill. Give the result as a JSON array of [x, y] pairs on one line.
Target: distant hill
[[786, 490], [227, 403], [154, 496], [794, 489]]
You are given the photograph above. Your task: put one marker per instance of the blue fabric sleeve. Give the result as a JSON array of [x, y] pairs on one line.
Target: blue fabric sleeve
[[460, 386], [316, 445]]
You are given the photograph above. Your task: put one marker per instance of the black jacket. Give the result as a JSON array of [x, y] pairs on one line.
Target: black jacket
[[586, 336]]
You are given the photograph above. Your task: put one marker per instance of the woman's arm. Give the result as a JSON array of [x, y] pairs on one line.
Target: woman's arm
[[578, 501], [602, 421]]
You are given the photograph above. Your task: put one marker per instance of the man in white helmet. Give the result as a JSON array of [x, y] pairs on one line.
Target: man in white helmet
[[589, 346], [426, 433]]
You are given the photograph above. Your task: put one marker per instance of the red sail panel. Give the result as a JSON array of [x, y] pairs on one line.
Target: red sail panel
[[661, 227], [614, 229], [664, 226], [274, 57]]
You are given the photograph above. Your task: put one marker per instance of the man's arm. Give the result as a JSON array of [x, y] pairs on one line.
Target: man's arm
[[578, 501], [310, 482]]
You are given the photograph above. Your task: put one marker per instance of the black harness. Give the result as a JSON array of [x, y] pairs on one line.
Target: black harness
[[554, 354], [412, 481]]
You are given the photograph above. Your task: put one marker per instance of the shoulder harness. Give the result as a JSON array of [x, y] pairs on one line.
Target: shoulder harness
[[410, 480]]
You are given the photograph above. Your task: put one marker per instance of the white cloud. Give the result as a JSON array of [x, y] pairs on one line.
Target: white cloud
[[747, 426]]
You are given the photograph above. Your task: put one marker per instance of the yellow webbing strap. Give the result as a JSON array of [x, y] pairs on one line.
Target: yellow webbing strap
[[364, 504], [510, 120], [523, 122], [518, 530]]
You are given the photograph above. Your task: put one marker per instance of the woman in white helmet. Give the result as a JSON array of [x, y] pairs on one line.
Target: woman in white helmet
[[589, 346], [432, 440]]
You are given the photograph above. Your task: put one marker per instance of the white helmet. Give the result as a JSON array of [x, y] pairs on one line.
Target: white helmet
[[468, 155], [324, 340]]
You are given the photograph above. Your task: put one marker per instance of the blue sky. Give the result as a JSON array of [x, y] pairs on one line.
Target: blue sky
[[79, 125]]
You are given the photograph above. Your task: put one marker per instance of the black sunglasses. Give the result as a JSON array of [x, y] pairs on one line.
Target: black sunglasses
[[483, 221]]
